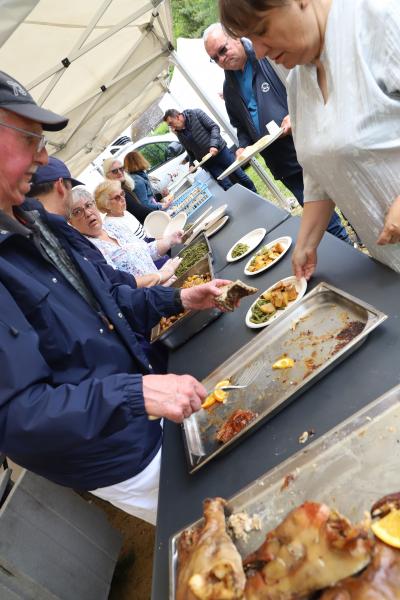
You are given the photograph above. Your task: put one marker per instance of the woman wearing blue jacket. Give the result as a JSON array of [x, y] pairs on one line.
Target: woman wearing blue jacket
[[136, 165]]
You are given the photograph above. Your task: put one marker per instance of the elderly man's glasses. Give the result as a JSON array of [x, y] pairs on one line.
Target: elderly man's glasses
[[117, 170], [119, 197], [221, 52], [41, 139], [79, 211]]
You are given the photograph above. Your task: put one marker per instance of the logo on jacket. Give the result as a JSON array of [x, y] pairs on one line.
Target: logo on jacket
[[265, 87]]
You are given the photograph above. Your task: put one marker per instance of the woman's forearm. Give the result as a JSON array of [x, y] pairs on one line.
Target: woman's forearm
[[148, 280], [315, 219], [163, 245]]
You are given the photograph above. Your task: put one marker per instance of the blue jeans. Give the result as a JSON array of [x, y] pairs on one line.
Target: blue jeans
[[217, 165], [295, 184]]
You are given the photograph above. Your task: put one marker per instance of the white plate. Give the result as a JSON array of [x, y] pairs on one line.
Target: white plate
[[286, 241], [252, 239], [210, 219], [155, 223], [301, 287], [176, 224], [216, 226]]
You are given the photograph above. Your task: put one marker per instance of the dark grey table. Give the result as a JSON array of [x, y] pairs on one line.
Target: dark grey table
[[362, 377], [246, 211]]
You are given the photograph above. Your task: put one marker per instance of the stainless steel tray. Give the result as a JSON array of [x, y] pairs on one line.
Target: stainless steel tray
[[194, 320], [348, 468], [306, 332], [198, 239]]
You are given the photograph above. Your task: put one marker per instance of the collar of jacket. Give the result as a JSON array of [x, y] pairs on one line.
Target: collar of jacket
[[10, 226], [248, 48]]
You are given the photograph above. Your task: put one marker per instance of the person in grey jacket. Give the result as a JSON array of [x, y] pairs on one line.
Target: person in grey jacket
[[200, 135]]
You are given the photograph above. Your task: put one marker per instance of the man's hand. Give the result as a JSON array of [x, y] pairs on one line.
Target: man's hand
[[213, 151], [304, 261], [174, 397], [238, 152], [203, 296], [286, 125], [390, 233]]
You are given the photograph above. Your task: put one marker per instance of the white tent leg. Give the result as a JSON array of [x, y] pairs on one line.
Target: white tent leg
[[180, 64]]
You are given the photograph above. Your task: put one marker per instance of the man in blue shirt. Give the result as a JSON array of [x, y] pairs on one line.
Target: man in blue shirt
[[76, 388], [254, 95]]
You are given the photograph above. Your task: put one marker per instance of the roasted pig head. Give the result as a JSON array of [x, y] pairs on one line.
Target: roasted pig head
[[379, 581], [311, 549], [210, 567]]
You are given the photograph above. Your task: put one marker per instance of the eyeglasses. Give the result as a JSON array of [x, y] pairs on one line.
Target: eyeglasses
[[119, 197], [118, 170], [79, 211], [42, 140], [221, 52]]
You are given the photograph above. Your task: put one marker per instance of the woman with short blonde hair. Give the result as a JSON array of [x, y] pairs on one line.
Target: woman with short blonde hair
[[114, 171]]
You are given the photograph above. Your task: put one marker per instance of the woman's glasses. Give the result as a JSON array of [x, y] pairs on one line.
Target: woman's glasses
[[79, 211], [118, 170], [119, 197]]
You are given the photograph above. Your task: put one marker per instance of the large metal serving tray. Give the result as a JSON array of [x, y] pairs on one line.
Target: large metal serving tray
[[201, 238], [194, 320], [348, 468], [306, 332]]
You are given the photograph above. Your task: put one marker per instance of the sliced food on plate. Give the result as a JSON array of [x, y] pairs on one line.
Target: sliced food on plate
[[246, 244], [268, 255], [273, 302]]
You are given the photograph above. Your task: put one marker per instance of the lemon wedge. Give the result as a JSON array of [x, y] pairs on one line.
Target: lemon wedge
[[283, 363], [222, 383], [387, 529], [209, 401], [220, 395]]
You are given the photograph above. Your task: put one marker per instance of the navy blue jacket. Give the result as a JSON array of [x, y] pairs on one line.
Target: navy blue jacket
[[271, 98], [71, 401]]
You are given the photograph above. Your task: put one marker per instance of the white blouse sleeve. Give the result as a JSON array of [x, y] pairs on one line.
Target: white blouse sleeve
[[312, 190], [382, 44]]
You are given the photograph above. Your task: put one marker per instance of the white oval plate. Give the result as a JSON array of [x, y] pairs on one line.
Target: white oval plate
[[217, 226], [286, 241], [176, 224], [210, 219], [301, 287], [155, 223], [252, 239]]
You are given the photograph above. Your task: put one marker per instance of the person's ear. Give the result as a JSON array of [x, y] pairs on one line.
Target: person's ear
[[60, 186]]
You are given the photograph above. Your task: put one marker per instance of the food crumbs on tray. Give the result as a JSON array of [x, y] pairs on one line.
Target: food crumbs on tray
[[287, 481], [241, 524], [285, 362], [368, 419], [294, 324], [305, 436], [391, 429]]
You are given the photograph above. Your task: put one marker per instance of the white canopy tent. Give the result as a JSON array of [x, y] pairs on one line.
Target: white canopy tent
[[99, 62]]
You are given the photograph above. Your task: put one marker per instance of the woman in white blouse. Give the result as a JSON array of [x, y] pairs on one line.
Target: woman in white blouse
[[121, 248], [344, 104], [110, 199]]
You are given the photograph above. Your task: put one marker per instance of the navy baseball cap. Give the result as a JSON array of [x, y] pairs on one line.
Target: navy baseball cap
[[14, 97], [54, 169]]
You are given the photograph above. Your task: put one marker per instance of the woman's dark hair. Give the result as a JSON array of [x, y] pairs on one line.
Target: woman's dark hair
[[240, 17]]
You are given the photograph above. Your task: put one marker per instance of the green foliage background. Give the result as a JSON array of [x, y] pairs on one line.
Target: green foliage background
[[191, 17]]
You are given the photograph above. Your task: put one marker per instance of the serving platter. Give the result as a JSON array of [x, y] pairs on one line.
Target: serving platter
[[251, 151], [301, 288], [285, 241], [345, 468], [251, 239], [317, 333]]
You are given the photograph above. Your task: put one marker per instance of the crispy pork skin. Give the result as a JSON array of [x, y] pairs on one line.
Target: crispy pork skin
[[379, 581], [210, 567], [311, 549]]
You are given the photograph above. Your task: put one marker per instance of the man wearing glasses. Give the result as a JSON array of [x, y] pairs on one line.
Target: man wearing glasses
[[76, 388], [254, 95], [200, 135]]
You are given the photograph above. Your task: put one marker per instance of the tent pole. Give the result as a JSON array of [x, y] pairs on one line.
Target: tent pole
[[180, 64]]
